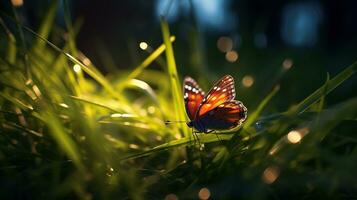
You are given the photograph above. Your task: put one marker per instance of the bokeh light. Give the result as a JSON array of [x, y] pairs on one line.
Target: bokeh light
[[151, 109], [17, 2], [209, 14], [232, 56], [204, 194], [134, 146], [87, 62], [143, 45], [158, 138], [64, 105], [247, 81], [224, 44], [287, 63], [294, 136], [76, 68], [270, 174], [36, 90], [178, 136], [171, 197], [300, 23]]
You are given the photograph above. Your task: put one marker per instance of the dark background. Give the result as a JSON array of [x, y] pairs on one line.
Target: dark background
[[317, 36]]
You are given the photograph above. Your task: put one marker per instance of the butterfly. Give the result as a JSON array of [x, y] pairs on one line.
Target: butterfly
[[215, 111]]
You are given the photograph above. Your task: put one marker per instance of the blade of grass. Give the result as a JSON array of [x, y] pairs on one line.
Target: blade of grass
[[322, 99], [82, 99], [63, 139], [11, 45], [22, 128], [176, 89], [186, 141], [254, 116], [46, 26], [330, 118], [319, 127], [23, 43], [324, 89], [139, 69], [96, 75], [143, 86], [17, 102], [69, 25]]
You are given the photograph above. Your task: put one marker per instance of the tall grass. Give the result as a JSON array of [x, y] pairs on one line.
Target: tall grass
[[68, 131]]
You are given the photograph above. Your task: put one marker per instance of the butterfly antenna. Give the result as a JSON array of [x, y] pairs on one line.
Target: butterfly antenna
[[171, 122]]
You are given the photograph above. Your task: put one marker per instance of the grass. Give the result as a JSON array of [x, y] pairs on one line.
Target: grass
[[79, 134]]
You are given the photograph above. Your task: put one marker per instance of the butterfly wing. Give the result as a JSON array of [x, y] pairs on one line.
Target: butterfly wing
[[193, 96], [223, 91], [225, 116]]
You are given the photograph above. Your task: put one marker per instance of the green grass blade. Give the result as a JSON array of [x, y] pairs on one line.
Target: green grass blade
[[22, 128], [330, 118], [321, 104], [324, 90], [143, 86], [153, 56], [69, 25], [186, 141], [62, 138], [254, 116], [17, 102], [96, 75], [83, 99], [11, 44], [46, 26], [176, 89], [23, 43]]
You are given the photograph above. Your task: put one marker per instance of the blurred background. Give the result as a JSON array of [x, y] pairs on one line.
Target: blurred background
[[255, 41]]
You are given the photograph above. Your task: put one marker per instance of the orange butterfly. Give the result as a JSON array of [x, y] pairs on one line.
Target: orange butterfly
[[217, 110]]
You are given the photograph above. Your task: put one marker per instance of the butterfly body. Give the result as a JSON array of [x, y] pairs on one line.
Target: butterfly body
[[215, 111]]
